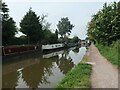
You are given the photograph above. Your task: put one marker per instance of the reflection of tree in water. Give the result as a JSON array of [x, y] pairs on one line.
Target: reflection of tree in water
[[37, 74], [10, 80], [76, 50], [65, 64]]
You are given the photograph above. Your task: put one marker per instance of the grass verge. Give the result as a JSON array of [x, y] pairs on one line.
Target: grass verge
[[78, 77], [110, 53]]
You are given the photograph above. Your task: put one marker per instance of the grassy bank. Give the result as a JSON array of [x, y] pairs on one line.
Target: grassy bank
[[79, 77], [110, 53]]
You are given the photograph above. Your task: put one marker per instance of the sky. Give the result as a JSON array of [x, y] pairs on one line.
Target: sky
[[79, 13]]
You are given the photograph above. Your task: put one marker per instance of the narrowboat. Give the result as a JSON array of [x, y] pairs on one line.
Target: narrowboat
[[12, 50], [52, 46], [17, 49]]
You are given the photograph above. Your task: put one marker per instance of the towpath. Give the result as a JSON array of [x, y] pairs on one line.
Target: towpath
[[104, 74]]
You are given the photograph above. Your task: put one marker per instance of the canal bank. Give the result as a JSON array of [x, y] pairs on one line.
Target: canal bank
[[79, 76], [94, 71]]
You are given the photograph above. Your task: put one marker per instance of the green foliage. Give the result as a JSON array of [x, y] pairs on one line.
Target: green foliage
[[77, 77], [20, 40], [8, 26], [53, 39], [5, 11], [49, 37], [56, 33], [110, 52], [64, 27], [104, 27], [76, 50], [31, 27], [75, 39]]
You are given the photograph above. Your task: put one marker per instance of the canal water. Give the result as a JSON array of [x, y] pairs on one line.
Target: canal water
[[40, 71]]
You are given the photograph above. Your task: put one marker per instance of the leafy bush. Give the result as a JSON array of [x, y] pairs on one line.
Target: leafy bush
[[104, 27]]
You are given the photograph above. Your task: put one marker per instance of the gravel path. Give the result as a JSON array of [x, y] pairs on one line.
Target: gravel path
[[104, 74]]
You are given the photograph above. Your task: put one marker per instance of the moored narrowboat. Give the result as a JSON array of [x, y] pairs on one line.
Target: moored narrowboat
[[17, 49], [52, 46]]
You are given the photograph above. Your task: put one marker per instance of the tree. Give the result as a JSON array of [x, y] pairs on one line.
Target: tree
[[75, 39], [20, 40], [104, 27], [64, 27], [30, 26], [47, 34], [5, 11], [53, 38], [56, 34], [49, 37], [8, 26]]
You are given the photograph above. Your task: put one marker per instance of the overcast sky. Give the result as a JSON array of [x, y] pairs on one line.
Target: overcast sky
[[79, 13]]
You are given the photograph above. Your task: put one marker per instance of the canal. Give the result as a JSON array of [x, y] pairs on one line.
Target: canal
[[40, 70]]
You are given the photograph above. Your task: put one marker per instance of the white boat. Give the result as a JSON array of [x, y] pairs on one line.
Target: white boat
[[52, 46]]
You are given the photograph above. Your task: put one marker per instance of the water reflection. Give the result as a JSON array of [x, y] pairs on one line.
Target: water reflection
[[35, 74], [40, 71], [76, 50], [10, 80], [52, 54]]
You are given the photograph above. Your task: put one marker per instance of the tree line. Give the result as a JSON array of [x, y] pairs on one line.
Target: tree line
[[104, 28], [35, 28]]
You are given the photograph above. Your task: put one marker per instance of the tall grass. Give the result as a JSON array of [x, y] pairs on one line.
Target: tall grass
[[77, 78], [111, 53]]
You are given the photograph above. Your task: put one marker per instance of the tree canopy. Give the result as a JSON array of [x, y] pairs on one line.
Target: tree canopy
[[5, 11], [8, 26], [36, 29], [31, 27], [64, 26], [75, 39], [104, 27]]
